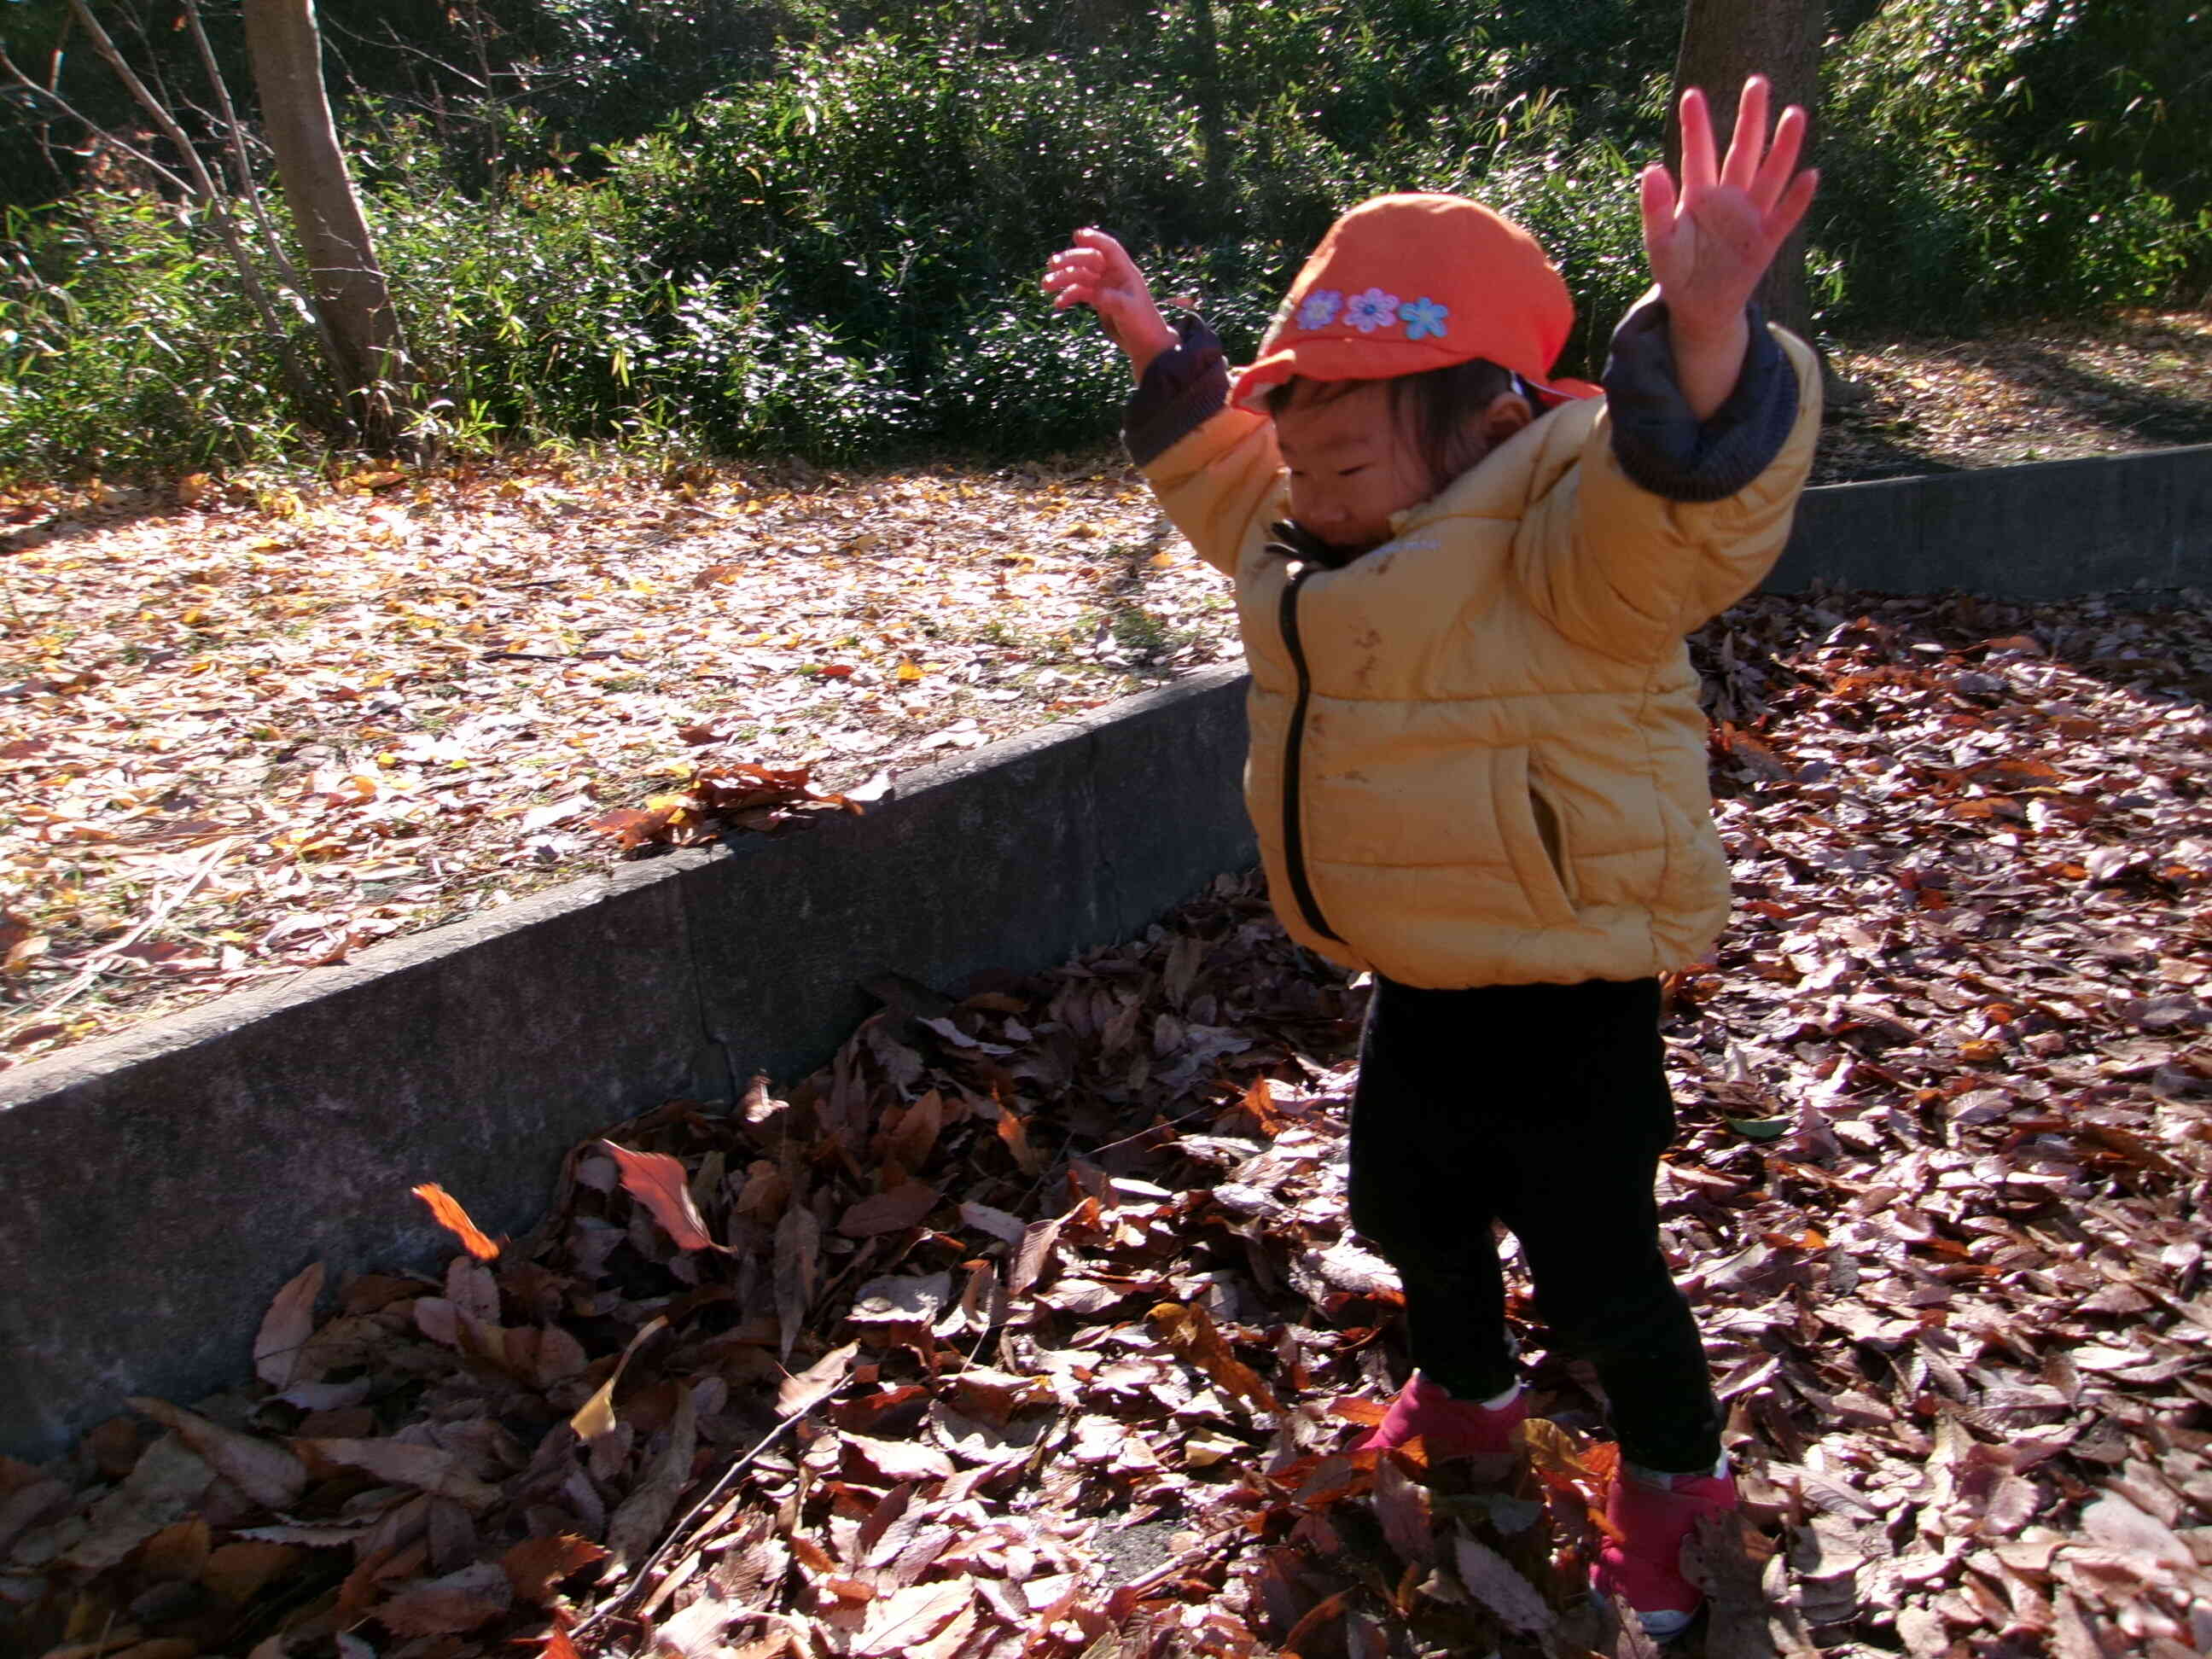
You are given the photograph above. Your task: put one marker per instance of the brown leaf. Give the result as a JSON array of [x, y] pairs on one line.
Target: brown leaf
[[1038, 1241], [168, 1479], [901, 1208], [1498, 1585], [803, 1390], [534, 1565], [636, 1526], [279, 1358], [458, 1602], [658, 1181], [446, 1211], [888, 1462], [798, 1248], [906, 1619], [1402, 1504], [402, 1463], [264, 1472]]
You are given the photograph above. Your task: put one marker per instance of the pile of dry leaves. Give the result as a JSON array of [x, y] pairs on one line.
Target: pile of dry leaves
[[1031, 1327]]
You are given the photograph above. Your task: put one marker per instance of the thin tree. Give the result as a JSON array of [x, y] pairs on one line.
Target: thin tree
[[364, 335], [195, 184]]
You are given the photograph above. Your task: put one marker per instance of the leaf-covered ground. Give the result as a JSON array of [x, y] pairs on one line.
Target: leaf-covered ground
[[252, 735], [244, 731], [1031, 1327]]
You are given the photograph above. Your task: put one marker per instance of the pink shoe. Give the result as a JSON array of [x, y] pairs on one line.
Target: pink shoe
[[1644, 1568], [1449, 1427]]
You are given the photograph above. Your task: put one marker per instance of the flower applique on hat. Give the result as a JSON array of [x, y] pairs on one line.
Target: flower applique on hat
[[1422, 317], [1406, 283], [1371, 310], [1320, 307]]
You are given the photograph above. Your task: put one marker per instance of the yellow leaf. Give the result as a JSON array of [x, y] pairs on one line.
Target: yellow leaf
[[1163, 560], [908, 671], [596, 1416]]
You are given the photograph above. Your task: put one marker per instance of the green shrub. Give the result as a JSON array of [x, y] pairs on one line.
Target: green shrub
[[127, 346], [836, 253], [1951, 197]]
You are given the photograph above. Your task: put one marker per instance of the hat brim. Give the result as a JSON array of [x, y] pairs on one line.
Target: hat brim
[[1354, 360], [1334, 359]]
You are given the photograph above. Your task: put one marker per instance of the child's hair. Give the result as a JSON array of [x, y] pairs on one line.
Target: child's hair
[[1434, 405]]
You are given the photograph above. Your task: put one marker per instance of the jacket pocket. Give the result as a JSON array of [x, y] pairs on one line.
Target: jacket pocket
[[1534, 835]]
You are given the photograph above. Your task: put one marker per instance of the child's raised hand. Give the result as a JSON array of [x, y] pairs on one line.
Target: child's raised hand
[[1710, 243], [1097, 273]]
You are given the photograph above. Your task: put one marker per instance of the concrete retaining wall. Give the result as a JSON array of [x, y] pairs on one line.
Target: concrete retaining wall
[[2025, 532], [157, 1189]]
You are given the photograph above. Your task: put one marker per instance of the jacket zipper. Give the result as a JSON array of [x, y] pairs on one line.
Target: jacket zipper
[[1294, 851]]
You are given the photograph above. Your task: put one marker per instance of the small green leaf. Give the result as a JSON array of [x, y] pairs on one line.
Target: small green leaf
[[1760, 1128]]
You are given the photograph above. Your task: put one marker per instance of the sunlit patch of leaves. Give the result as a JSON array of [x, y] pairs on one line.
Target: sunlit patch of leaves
[[247, 729]]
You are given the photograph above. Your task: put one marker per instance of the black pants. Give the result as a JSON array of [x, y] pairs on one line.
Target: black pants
[[1544, 1107]]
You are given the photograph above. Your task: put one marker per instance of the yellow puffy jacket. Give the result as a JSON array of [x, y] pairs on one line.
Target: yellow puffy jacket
[[1477, 753]]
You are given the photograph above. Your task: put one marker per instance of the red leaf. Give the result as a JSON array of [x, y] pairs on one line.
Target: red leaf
[[657, 1180]]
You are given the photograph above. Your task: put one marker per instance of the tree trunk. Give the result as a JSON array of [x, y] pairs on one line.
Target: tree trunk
[[1723, 41], [365, 339], [1205, 87]]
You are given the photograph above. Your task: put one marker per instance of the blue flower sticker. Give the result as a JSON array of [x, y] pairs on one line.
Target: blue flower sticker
[[1371, 310], [1424, 316], [1319, 308]]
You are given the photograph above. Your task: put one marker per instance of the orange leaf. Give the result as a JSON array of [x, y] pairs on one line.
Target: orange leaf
[[1190, 1331], [445, 1210], [657, 1180]]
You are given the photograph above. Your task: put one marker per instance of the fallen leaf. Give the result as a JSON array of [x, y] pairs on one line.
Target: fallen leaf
[[658, 1181], [446, 1211], [278, 1349], [458, 1602], [264, 1472], [596, 1416]]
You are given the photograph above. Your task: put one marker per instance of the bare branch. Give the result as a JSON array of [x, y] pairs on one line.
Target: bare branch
[[203, 187], [181, 186], [242, 163]]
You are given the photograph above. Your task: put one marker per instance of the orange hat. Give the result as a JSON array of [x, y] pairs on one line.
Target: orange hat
[[1403, 283]]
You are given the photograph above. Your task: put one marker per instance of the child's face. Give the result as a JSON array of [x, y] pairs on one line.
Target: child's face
[[1352, 464]]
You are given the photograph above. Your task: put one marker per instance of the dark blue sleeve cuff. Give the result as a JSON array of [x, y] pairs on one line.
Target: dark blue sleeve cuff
[[1665, 449], [1185, 388]]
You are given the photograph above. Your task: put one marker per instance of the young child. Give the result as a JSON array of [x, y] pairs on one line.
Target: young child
[[1478, 763]]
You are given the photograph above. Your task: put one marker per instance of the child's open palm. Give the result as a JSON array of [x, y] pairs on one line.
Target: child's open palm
[[1710, 243]]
